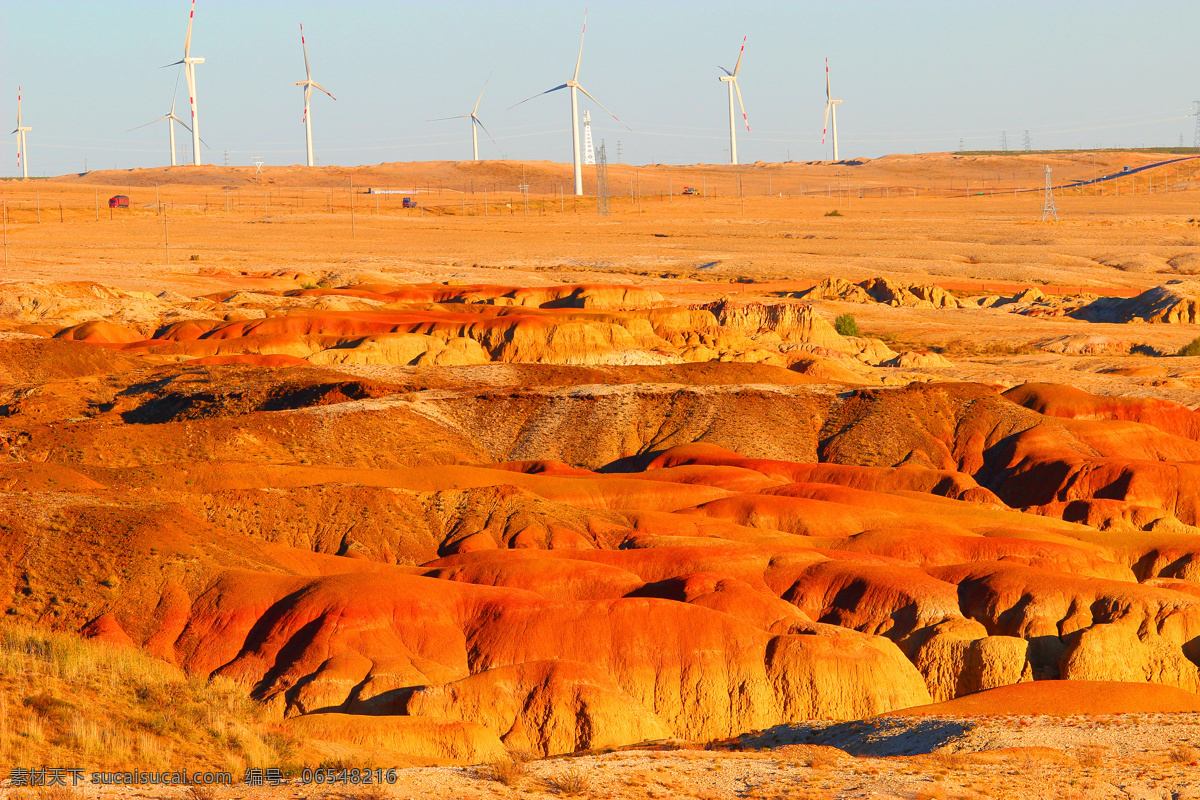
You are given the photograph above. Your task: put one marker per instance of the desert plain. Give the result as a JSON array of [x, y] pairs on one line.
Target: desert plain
[[832, 480]]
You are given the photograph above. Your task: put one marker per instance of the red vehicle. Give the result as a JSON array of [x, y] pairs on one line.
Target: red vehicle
[[410, 203], [119, 201], [690, 190]]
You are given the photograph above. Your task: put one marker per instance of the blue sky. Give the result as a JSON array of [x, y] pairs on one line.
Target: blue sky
[[914, 77]]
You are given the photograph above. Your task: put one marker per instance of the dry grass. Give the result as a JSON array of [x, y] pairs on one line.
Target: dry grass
[[934, 792], [372, 792], [137, 709], [58, 793], [572, 781], [1091, 756], [200, 793], [508, 771], [947, 760], [1183, 754], [821, 759]]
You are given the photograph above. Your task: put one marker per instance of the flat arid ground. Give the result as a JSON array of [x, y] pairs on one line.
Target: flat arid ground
[[831, 480]]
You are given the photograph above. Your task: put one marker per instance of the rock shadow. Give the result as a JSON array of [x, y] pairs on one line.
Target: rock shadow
[[878, 736]]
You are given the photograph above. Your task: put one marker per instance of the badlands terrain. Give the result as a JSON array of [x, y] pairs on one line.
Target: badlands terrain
[[837, 480]]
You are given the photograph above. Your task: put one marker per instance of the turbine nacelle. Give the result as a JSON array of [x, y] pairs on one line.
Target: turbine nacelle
[[574, 85], [309, 84], [475, 120], [830, 112], [731, 78]]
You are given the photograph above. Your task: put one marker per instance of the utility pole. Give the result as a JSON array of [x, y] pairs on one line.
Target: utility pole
[[5, 215], [97, 205], [352, 206], [1196, 140], [524, 189], [1004, 141], [166, 240], [1048, 208], [37, 196], [602, 180]]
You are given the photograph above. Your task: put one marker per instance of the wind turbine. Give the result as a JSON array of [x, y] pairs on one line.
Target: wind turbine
[[830, 110], [574, 85], [308, 83], [474, 117], [169, 118], [22, 154], [189, 69], [730, 78]]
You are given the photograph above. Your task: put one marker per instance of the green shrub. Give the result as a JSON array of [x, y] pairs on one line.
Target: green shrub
[[834, 213], [846, 325], [1192, 348]]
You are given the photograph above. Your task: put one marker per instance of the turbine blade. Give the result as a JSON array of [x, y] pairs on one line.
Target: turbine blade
[[825, 127], [597, 102], [160, 119], [539, 94], [828, 91], [580, 58], [304, 47], [740, 103], [727, 72], [172, 64], [187, 43], [475, 121], [443, 119], [322, 88], [175, 93], [738, 65], [475, 110]]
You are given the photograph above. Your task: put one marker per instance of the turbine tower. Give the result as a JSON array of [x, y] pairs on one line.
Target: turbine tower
[[573, 84], [589, 154], [830, 109], [22, 145], [189, 69], [730, 78], [170, 118], [308, 83], [474, 117]]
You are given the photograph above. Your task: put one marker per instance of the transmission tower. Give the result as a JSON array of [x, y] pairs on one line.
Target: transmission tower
[[1196, 141], [602, 181], [1048, 209], [619, 161], [1004, 141], [961, 146], [1028, 142], [589, 155]]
